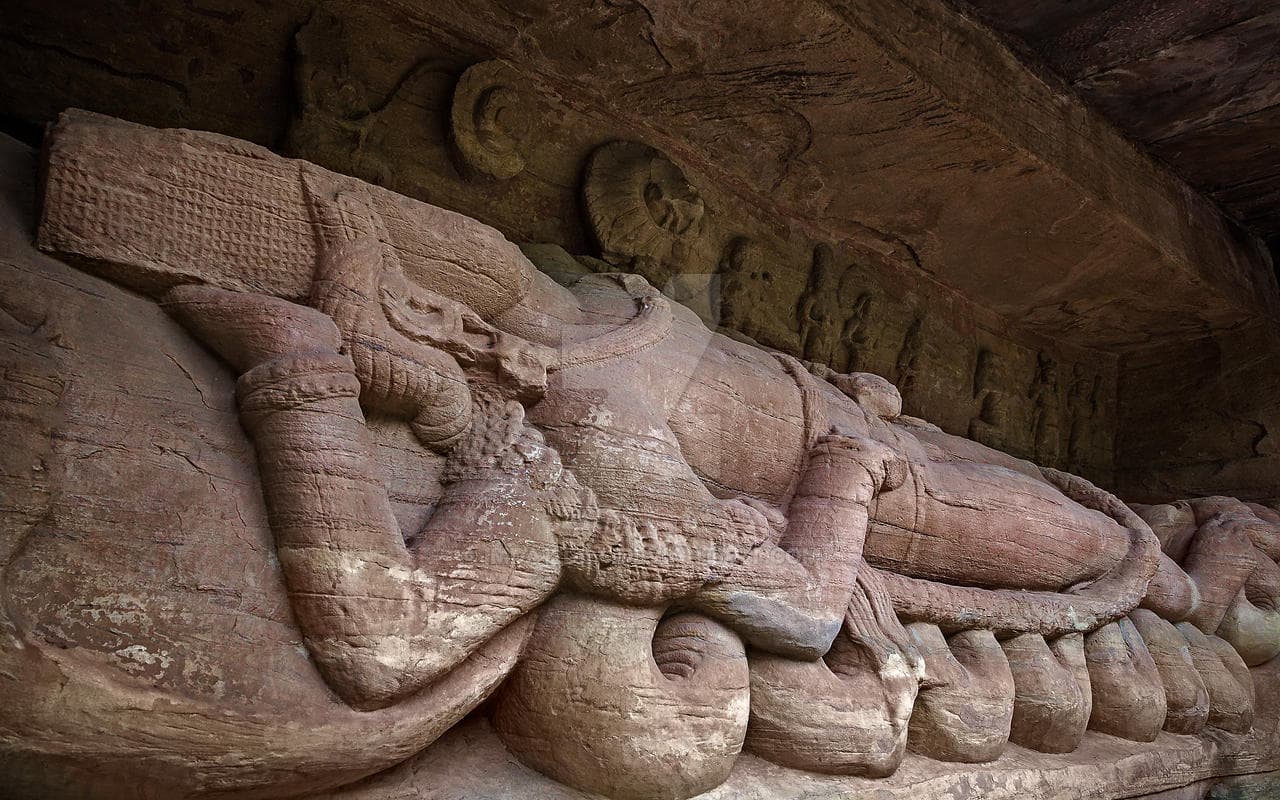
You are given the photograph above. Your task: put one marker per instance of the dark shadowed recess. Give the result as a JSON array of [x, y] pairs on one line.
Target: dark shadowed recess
[[1195, 81]]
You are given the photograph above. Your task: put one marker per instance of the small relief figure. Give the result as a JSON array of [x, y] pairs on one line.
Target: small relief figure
[[856, 338], [643, 210], [486, 124], [907, 366], [747, 286], [990, 379], [1046, 415], [1082, 409], [819, 308]]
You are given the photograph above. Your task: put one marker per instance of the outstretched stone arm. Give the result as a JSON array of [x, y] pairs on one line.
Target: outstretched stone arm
[[381, 619], [791, 598], [1082, 609]]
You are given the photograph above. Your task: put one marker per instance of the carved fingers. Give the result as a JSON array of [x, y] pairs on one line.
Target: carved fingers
[[852, 468], [1128, 696], [1186, 698], [246, 330], [1052, 699], [965, 708], [1172, 593], [1226, 678], [1219, 560], [1252, 629]]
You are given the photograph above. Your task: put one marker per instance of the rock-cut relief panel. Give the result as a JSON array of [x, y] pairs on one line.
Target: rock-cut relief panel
[[647, 601]]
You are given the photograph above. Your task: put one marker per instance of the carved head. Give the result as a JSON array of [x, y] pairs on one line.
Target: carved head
[[673, 203], [873, 393]]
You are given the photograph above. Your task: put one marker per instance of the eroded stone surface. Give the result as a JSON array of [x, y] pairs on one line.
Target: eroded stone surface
[[573, 497]]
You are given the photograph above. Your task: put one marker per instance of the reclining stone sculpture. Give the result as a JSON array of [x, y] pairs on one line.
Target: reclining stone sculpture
[[643, 597]]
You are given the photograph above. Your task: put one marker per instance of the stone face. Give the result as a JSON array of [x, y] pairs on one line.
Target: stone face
[[675, 563]]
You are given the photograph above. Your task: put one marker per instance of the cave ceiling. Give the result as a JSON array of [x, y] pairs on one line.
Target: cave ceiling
[[1196, 82]]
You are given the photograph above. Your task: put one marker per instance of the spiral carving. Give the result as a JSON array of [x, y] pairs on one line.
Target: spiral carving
[[487, 125]]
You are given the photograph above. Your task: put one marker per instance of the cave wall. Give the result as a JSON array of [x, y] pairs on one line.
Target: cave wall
[[1202, 418]]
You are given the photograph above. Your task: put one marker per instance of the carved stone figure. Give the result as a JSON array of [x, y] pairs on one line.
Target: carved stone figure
[[1083, 412], [990, 377], [837, 326], [858, 337], [818, 312], [907, 367], [749, 281], [425, 475], [1230, 549], [1046, 411]]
